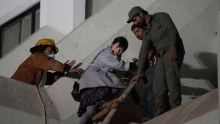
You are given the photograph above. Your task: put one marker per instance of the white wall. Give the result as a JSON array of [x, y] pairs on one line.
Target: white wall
[[79, 7], [11, 8], [94, 6], [96, 30], [63, 16], [218, 16]]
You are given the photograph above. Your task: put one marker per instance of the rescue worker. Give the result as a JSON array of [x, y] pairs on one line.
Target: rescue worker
[[34, 70]]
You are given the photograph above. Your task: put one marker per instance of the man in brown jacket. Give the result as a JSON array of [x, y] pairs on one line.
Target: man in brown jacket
[[34, 69]]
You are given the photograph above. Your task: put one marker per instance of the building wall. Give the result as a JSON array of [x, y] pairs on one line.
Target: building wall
[[11, 8], [218, 37], [94, 6], [63, 16]]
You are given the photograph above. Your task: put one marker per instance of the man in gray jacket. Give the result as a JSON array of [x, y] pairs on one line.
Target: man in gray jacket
[[161, 33]]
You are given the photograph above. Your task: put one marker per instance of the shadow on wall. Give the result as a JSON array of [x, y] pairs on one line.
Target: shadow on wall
[[208, 73]]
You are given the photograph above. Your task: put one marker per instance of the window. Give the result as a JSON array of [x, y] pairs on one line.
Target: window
[[18, 29]]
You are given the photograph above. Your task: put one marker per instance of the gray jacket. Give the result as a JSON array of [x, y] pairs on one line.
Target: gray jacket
[[101, 71]]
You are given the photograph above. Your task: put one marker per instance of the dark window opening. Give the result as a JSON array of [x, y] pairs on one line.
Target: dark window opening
[[18, 29]]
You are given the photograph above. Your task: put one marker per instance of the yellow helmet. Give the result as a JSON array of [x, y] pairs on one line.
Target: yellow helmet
[[44, 42]]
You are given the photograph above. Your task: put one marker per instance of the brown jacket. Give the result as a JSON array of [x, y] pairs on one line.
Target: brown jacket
[[32, 69]]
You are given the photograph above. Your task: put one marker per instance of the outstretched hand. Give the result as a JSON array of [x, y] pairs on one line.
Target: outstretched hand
[[73, 62], [76, 70], [135, 60]]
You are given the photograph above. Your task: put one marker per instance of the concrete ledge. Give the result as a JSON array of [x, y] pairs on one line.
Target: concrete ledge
[[188, 111], [207, 118], [20, 103], [60, 95]]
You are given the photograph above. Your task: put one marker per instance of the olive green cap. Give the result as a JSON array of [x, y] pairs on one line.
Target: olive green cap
[[133, 12]]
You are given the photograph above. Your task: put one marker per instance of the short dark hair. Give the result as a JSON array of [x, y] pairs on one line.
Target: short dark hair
[[123, 43], [135, 26]]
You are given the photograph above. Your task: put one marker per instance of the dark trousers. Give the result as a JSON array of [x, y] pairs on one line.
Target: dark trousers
[[167, 78], [146, 103]]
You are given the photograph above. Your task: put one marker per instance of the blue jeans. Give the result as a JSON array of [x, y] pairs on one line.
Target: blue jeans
[[147, 103]]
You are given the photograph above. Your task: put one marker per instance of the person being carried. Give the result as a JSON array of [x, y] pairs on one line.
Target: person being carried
[[34, 70], [100, 79], [160, 32]]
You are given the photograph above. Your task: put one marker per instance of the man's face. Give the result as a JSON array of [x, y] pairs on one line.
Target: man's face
[[138, 32], [139, 19], [48, 50]]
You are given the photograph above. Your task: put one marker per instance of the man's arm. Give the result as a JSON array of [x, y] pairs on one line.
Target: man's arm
[[173, 34], [143, 55], [167, 22], [143, 58], [43, 62]]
